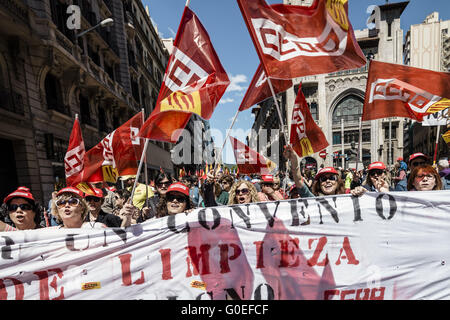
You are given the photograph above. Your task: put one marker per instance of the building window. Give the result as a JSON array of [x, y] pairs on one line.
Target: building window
[[351, 136], [350, 109], [389, 29], [336, 138], [314, 112], [393, 132], [59, 18], [53, 95], [102, 120], [85, 111]]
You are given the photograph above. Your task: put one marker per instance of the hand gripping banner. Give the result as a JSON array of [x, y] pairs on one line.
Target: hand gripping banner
[[194, 82], [376, 247], [401, 91], [306, 136], [294, 41]]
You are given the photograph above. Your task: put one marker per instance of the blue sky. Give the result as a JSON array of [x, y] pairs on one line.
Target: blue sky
[[229, 35]]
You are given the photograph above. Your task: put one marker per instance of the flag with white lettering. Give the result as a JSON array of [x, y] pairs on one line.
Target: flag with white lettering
[[306, 137], [249, 161], [395, 90], [74, 158], [194, 82], [259, 89], [296, 41], [117, 154]]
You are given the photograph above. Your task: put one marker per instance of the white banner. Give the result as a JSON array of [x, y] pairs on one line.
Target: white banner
[[378, 246]]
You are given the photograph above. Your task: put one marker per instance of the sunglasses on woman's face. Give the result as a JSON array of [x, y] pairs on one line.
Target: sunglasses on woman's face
[[330, 177], [171, 198], [73, 202], [22, 206], [377, 172], [242, 191], [163, 184]]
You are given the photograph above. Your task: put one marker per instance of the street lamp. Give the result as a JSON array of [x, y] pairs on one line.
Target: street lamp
[[102, 24]]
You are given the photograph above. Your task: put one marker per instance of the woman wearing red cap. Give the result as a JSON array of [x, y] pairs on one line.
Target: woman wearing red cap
[[376, 180], [20, 211], [176, 201], [326, 182], [424, 178]]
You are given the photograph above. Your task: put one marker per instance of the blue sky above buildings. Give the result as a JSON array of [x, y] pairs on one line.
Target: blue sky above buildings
[[226, 28]]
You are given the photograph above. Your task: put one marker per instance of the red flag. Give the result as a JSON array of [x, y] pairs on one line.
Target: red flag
[[249, 161], [74, 158], [194, 82], [400, 91], [259, 89], [117, 154], [294, 41], [306, 137]]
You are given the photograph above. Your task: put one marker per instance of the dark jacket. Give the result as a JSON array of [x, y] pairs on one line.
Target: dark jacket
[[108, 219], [153, 205]]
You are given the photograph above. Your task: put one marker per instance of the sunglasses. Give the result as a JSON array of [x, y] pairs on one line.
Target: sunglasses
[[23, 207], [95, 199], [161, 184], [242, 191], [325, 178], [377, 172], [421, 176], [171, 198], [73, 202]]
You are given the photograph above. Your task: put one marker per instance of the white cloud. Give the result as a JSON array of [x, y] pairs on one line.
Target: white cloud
[[236, 81], [226, 100]]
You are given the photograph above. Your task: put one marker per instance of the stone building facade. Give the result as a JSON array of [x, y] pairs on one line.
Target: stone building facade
[[48, 74], [339, 96]]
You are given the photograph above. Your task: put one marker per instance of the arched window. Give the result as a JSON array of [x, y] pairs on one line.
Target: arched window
[[350, 109]]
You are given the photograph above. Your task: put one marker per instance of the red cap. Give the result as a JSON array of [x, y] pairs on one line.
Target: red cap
[[400, 159], [73, 190], [179, 187], [376, 165], [97, 193], [21, 192], [417, 155], [324, 171], [267, 178]]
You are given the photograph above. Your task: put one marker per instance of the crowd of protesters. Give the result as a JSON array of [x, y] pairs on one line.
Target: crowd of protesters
[[108, 207]]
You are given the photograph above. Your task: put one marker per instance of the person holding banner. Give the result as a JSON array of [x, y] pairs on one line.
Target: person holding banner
[[327, 181], [20, 211], [376, 180], [424, 178], [176, 201], [241, 192]]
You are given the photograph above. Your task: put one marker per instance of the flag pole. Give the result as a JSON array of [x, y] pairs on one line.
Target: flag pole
[[228, 134], [145, 164], [437, 143], [187, 3], [358, 158], [139, 169], [278, 109]]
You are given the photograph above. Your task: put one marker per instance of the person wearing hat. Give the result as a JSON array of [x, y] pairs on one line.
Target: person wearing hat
[[376, 180], [444, 173], [96, 213], [326, 182], [400, 178], [176, 201], [109, 196], [268, 192], [141, 193], [417, 159], [20, 211]]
